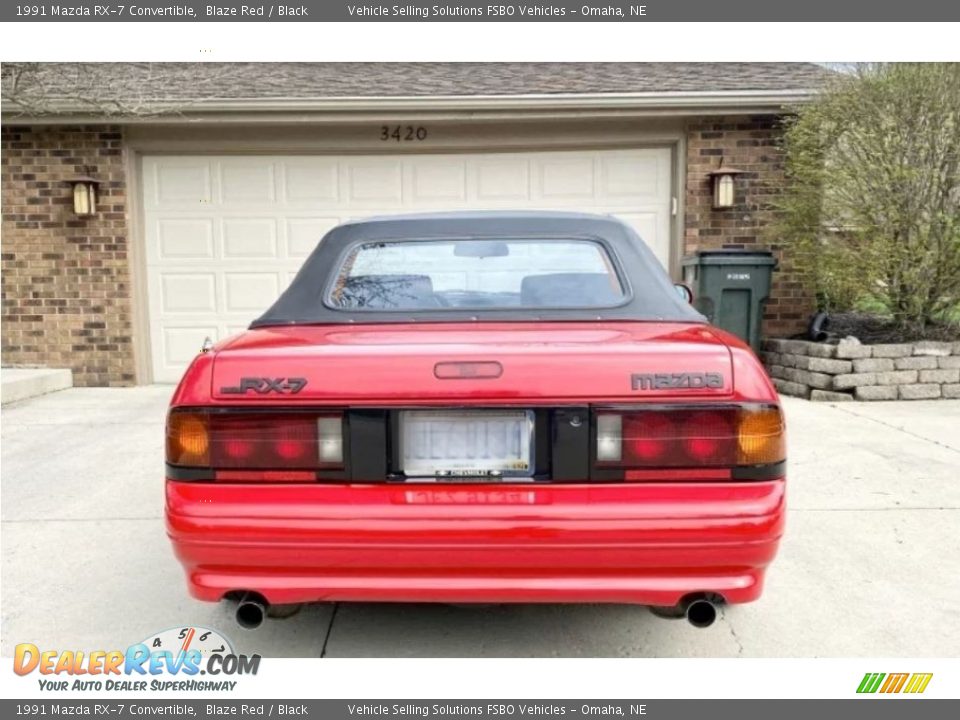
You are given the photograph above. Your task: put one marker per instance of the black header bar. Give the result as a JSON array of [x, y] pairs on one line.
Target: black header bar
[[134, 708], [467, 11]]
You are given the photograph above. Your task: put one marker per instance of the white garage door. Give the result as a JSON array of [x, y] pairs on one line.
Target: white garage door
[[225, 235]]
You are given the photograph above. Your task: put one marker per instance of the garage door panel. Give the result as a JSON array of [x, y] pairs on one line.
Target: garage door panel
[[567, 179], [182, 238], [505, 180], [247, 182], [188, 292], [632, 176], [226, 235], [249, 238], [311, 180], [179, 345], [180, 183], [373, 183], [250, 292], [303, 234], [437, 181]]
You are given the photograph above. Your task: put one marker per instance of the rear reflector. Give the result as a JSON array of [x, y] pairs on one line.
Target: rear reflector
[[668, 474], [708, 437], [255, 440], [265, 475]]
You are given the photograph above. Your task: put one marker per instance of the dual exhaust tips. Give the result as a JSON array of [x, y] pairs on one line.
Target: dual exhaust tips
[[699, 610]]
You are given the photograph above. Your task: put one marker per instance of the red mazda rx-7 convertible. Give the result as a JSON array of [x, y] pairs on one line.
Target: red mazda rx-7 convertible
[[477, 407]]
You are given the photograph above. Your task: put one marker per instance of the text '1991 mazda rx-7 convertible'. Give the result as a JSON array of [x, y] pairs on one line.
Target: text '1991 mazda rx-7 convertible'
[[477, 407]]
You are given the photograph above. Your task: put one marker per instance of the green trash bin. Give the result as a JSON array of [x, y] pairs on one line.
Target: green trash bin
[[730, 288]]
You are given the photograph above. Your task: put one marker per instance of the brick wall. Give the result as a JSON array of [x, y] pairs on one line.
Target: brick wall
[[747, 144], [66, 284]]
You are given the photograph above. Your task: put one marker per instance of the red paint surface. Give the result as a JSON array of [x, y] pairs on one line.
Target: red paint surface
[[651, 542]]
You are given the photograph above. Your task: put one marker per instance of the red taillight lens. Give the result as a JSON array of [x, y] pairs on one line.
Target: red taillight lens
[[264, 440], [710, 438], [689, 437], [295, 441], [238, 450], [255, 440], [649, 437]]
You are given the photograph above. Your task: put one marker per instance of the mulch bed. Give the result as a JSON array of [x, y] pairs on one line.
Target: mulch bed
[[871, 329]]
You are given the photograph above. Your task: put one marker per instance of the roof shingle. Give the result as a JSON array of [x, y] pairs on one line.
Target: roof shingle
[[207, 82]]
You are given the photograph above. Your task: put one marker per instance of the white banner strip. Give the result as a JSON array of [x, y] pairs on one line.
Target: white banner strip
[[620, 678]]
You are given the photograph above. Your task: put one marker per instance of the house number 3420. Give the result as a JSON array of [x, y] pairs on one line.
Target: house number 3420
[[403, 133]]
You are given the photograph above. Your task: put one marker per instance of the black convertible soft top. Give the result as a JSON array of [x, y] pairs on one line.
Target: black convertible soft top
[[650, 292]]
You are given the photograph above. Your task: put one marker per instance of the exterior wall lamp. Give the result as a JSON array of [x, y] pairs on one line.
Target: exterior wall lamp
[[724, 186], [84, 195]]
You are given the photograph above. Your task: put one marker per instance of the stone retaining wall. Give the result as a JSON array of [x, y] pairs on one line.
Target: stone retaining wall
[[851, 371]]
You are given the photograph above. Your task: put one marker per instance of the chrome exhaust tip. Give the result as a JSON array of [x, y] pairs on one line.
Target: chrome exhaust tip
[[251, 611], [701, 613]]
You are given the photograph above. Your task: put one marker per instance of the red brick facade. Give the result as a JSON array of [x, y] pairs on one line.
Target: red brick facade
[[749, 144], [66, 280]]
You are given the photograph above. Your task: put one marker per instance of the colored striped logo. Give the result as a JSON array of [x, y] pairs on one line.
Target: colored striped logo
[[894, 682]]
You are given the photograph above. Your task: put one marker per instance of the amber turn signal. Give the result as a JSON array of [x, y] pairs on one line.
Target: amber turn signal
[[188, 439], [761, 437]]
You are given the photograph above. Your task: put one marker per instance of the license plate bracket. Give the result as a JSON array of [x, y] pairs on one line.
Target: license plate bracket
[[482, 445]]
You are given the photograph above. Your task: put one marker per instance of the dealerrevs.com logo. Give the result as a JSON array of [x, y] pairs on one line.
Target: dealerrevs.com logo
[[887, 683], [169, 660]]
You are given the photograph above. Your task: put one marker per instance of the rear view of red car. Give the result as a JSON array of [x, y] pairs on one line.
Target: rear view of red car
[[484, 407]]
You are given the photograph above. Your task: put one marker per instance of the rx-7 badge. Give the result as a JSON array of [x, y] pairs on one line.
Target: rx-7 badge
[[665, 381], [263, 385]]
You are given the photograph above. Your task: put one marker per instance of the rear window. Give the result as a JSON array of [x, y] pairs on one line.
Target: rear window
[[480, 274]]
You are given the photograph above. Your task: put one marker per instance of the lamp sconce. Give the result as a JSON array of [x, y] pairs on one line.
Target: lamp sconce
[[724, 186], [84, 195]]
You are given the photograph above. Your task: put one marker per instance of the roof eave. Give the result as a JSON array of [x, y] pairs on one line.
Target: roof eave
[[740, 102]]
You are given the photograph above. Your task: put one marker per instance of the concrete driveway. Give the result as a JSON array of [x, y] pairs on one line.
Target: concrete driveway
[[869, 565]]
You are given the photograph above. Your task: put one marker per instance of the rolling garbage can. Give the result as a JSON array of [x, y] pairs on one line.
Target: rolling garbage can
[[730, 288]]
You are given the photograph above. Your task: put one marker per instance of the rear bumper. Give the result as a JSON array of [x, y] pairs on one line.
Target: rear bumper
[[633, 543]]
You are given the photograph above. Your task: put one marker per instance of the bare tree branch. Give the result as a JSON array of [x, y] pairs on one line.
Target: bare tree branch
[[109, 90]]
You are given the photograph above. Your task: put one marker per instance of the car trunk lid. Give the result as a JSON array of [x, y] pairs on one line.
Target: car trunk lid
[[472, 364]]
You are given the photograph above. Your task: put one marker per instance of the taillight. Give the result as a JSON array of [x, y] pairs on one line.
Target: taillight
[[707, 437], [330, 439], [239, 440], [188, 439], [760, 437], [648, 440]]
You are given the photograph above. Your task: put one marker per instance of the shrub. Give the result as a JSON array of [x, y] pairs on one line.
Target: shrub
[[872, 206]]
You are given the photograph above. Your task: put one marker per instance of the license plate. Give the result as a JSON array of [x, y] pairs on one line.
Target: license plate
[[486, 444]]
